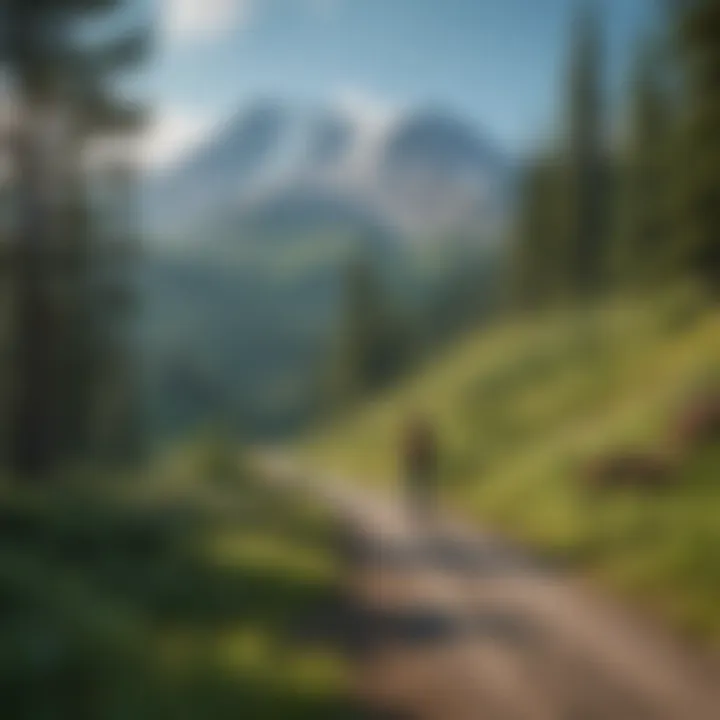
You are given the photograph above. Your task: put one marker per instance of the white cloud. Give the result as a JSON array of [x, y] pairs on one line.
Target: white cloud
[[197, 21], [191, 21], [172, 133]]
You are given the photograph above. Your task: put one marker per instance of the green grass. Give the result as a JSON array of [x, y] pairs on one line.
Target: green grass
[[521, 410], [174, 595]]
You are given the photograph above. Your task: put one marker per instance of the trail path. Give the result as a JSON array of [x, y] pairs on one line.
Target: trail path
[[451, 624]]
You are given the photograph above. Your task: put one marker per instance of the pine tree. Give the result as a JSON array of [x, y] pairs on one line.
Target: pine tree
[[584, 234], [368, 347], [100, 293], [536, 260], [643, 252], [62, 96], [699, 247]]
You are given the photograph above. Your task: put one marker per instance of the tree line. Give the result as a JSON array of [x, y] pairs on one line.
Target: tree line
[[613, 204], [605, 209]]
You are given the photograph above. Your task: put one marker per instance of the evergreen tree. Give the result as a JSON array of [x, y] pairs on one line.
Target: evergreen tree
[[369, 349], [537, 260], [699, 245], [63, 99], [643, 251], [584, 232]]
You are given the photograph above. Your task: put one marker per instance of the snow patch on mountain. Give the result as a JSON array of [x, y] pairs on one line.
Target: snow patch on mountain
[[413, 172]]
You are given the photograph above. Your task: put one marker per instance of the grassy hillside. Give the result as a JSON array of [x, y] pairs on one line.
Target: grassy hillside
[[178, 594], [523, 408]]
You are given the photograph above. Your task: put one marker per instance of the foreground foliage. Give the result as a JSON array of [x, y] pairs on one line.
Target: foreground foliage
[[176, 595]]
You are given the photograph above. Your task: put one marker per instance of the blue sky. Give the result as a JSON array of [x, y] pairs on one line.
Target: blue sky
[[497, 62]]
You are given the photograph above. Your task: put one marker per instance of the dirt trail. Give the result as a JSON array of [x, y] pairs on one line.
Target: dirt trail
[[451, 624]]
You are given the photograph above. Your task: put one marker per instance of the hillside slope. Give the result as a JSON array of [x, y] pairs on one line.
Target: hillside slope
[[524, 408]]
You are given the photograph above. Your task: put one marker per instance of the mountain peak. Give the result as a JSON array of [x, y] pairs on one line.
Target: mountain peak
[[423, 171]]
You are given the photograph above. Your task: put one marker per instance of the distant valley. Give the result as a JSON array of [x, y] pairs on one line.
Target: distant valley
[[249, 237]]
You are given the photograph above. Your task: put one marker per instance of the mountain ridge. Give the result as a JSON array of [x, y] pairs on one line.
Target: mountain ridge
[[423, 172]]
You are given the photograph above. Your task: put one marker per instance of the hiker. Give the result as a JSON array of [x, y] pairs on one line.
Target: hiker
[[420, 461]]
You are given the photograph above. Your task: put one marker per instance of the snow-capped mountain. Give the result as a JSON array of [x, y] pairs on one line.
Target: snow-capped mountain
[[422, 172]]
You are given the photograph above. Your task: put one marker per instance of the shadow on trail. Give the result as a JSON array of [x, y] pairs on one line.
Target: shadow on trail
[[438, 552], [361, 629]]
